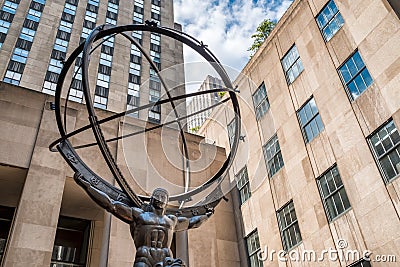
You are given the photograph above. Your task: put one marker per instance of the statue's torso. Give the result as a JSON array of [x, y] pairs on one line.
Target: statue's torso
[[153, 230], [152, 234]]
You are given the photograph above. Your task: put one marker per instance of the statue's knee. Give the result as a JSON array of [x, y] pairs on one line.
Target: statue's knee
[[141, 264]]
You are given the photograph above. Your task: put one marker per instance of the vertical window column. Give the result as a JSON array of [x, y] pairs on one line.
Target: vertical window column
[[60, 47], [106, 56], [156, 11], [7, 13], [155, 85], [154, 96], [135, 62], [89, 23], [23, 46]]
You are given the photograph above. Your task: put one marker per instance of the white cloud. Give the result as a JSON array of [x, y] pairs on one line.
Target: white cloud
[[226, 26]]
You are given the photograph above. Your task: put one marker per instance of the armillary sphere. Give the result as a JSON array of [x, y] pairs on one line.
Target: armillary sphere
[[126, 194]]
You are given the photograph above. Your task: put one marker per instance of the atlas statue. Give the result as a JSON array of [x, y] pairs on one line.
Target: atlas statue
[[151, 229], [153, 220]]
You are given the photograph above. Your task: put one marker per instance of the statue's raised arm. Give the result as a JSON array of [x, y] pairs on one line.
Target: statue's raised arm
[[184, 223], [119, 209]]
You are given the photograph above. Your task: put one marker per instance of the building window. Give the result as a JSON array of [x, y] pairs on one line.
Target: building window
[[156, 11], [289, 226], [253, 247], [386, 147], [329, 20], [273, 156], [333, 193], [243, 184], [7, 13], [154, 95], [260, 101], [310, 120], [24, 43], [61, 45], [71, 242], [292, 64], [355, 75], [361, 263], [231, 131], [6, 216]]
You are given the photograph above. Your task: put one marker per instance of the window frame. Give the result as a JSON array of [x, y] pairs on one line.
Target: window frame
[[345, 84], [309, 121], [324, 198], [259, 105], [334, 17], [249, 255], [231, 129], [291, 65], [377, 158], [272, 158], [287, 227], [238, 177]]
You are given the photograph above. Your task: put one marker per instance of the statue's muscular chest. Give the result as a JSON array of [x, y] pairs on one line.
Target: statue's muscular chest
[[149, 219]]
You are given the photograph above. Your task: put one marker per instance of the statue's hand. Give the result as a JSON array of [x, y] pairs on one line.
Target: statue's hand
[[209, 212], [80, 181]]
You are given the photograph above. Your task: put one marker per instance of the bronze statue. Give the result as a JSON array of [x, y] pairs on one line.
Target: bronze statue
[[151, 229]]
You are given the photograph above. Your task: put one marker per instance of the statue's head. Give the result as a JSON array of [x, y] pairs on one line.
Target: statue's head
[[159, 198]]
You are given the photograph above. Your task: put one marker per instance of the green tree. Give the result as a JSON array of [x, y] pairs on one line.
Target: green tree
[[262, 32]]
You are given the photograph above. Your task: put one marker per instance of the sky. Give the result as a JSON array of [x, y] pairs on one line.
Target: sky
[[226, 26]]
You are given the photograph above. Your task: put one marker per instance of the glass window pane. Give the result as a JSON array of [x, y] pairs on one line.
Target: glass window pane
[[319, 123], [324, 186], [358, 61], [353, 89], [331, 208], [387, 167], [345, 199], [366, 77], [345, 73], [302, 116], [394, 158], [360, 83], [338, 203], [352, 67]]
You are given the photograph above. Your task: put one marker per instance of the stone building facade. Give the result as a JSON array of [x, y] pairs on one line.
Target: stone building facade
[[45, 218], [319, 166]]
